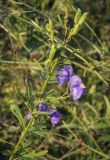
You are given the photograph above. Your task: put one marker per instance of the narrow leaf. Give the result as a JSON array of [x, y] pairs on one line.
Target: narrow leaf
[[35, 155], [77, 16], [16, 111], [83, 18], [107, 115]]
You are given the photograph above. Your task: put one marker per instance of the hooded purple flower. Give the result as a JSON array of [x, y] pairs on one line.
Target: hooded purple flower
[[55, 117], [64, 74], [77, 89], [43, 107], [28, 115]]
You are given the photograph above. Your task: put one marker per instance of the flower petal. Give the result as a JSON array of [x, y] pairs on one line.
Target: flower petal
[[64, 74], [55, 117], [77, 92], [43, 107], [69, 68], [75, 81]]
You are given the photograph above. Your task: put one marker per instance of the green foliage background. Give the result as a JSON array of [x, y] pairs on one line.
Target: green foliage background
[[84, 132]]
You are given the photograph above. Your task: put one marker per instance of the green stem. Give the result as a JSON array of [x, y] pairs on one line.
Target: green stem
[[45, 84], [21, 139], [48, 77]]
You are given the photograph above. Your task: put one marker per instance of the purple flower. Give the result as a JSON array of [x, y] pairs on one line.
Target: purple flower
[[43, 107], [77, 89], [55, 117], [28, 115], [64, 74]]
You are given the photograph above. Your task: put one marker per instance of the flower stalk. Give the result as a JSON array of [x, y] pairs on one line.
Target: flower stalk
[[23, 134]]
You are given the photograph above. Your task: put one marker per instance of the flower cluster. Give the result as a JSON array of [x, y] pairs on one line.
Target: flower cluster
[[55, 116], [77, 88]]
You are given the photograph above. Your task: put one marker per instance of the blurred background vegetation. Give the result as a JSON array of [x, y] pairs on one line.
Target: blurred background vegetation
[[84, 132]]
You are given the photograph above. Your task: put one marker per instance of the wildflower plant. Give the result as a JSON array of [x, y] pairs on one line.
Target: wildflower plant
[[53, 83], [62, 76]]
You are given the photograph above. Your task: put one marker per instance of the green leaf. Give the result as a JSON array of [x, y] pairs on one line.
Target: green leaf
[[82, 19], [107, 115], [52, 52], [35, 155], [49, 26], [77, 16], [101, 125], [16, 111], [73, 32], [104, 138]]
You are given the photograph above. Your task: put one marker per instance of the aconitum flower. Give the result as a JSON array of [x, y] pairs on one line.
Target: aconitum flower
[[77, 88], [28, 115], [43, 107], [55, 117], [64, 74]]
